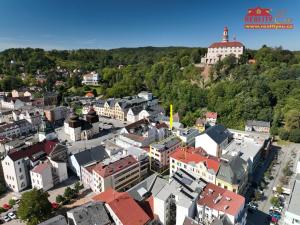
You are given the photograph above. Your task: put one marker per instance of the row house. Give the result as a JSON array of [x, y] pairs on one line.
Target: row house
[[18, 162], [15, 103], [32, 116], [119, 108], [195, 160], [9, 130]]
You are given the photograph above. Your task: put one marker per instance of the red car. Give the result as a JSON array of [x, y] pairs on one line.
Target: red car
[[6, 206], [274, 220], [54, 205]]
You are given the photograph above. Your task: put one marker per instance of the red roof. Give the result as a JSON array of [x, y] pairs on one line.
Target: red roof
[[89, 94], [46, 146], [114, 167], [226, 44], [259, 12], [213, 115], [40, 168], [221, 199], [124, 207], [196, 155]]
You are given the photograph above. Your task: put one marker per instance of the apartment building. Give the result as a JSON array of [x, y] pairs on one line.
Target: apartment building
[[56, 114], [90, 78], [41, 176], [119, 173], [18, 162], [292, 214], [178, 198], [187, 135], [160, 153], [215, 201], [196, 161], [258, 126]]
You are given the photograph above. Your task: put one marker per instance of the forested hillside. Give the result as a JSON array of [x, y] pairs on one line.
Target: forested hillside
[[267, 90]]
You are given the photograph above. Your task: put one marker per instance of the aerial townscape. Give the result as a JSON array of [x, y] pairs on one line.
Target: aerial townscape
[[151, 135]]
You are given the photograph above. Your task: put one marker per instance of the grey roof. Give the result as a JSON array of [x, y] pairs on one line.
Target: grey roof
[[137, 109], [96, 154], [93, 213], [233, 170], [153, 184], [258, 123], [218, 133], [294, 204], [57, 220]]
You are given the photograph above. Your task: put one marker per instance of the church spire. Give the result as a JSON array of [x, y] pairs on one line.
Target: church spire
[[225, 34]]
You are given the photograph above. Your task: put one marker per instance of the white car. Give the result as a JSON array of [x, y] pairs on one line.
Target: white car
[[12, 215], [6, 218]]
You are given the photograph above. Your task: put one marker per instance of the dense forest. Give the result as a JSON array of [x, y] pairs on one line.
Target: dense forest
[[268, 89]]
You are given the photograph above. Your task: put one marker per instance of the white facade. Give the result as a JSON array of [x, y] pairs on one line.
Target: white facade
[[91, 78], [17, 104], [15, 174], [218, 51], [43, 179], [208, 144]]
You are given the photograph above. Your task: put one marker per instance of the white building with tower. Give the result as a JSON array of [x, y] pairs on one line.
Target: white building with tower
[[219, 50]]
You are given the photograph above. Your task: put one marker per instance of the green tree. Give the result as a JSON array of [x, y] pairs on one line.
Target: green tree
[[283, 134], [34, 207], [295, 135], [69, 193], [292, 119]]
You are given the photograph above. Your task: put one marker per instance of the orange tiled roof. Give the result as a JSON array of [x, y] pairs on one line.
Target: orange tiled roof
[[196, 155]]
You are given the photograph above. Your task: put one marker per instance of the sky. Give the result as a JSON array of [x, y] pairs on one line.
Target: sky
[[106, 24]]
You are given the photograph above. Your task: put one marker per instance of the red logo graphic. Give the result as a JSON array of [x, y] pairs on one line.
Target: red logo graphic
[[261, 18]]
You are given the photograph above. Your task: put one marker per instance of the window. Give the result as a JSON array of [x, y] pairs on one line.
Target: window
[[20, 170], [225, 187], [219, 184]]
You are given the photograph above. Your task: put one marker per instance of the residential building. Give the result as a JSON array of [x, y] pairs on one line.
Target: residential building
[[9, 130], [141, 133], [213, 140], [233, 174], [20, 93], [292, 214], [50, 98], [142, 105], [92, 213], [6, 115], [15, 103], [187, 135], [200, 124], [215, 201], [31, 114], [160, 153], [18, 162], [117, 173], [219, 50], [196, 161], [258, 126], [56, 220], [41, 176], [56, 114], [90, 78], [178, 198], [211, 118], [85, 158], [123, 209]]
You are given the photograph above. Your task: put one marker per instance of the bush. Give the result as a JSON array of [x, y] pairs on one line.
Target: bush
[[275, 201], [283, 134], [295, 135], [2, 210], [12, 202], [60, 199]]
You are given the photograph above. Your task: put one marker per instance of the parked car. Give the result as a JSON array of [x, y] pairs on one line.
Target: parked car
[[6, 218], [12, 215], [253, 205]]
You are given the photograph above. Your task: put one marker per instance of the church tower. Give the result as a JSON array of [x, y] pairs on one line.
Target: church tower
[[225, 34]]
